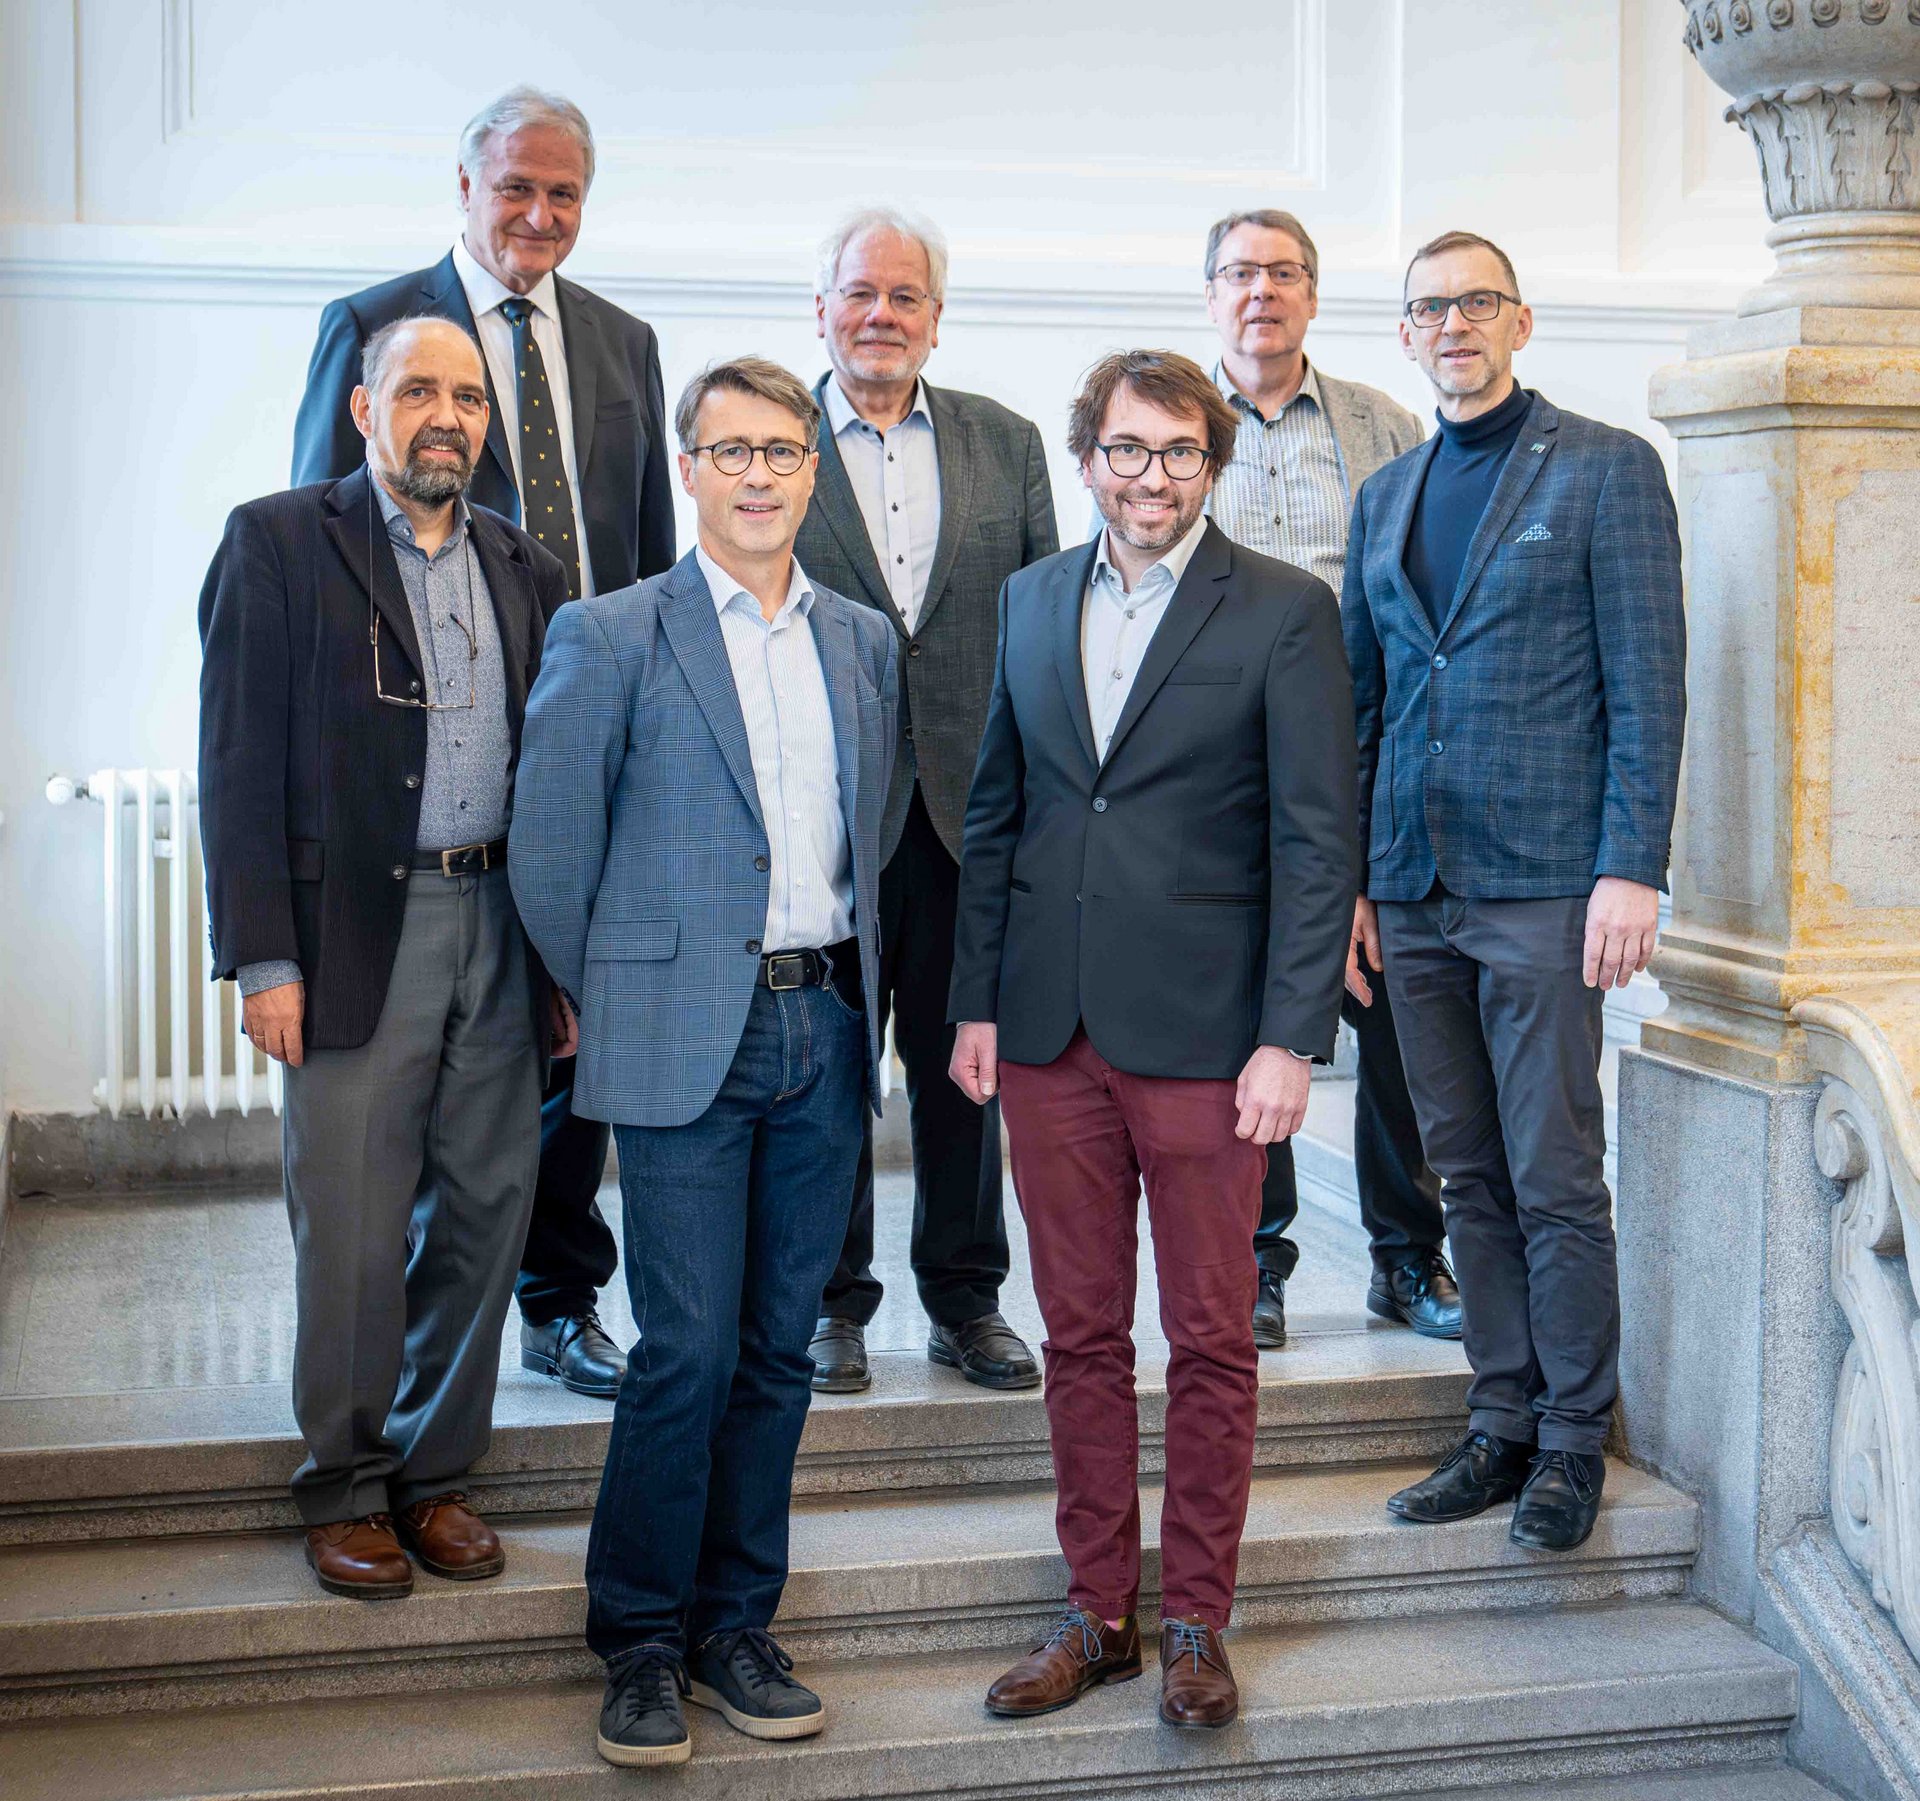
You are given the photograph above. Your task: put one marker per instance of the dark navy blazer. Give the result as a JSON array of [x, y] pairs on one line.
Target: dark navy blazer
[[1532, 743]]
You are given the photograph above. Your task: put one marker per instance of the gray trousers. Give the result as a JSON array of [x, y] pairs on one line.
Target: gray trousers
[[410, 1167], [1501, 1040]]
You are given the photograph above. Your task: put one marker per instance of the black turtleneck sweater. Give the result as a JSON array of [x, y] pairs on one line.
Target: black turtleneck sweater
[[1466, 464]]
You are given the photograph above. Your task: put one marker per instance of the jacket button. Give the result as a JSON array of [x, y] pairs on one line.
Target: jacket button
[[1100, 804], [399, 872], [1440, 661], [753, 944], [413, 687], [413, 781], [1435, 748], [761, 863], [913, 650], [909, 731]]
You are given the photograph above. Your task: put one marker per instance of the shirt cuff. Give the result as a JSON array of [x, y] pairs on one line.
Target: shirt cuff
[[275, 973], [1298, 1056]]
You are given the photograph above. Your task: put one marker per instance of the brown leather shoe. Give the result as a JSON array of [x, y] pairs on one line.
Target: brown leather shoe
[[450, 1539], [1083, 1653], [1196, 1681], [360, 1558]]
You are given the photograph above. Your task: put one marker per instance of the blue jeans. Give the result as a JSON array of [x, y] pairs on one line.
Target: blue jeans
[[733, 1224]]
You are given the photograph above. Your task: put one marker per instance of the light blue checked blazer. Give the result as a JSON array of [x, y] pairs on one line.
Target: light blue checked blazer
[[1532, 743], [637, 826]]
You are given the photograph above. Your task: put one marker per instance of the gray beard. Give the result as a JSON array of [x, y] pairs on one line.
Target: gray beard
[[429, 484]]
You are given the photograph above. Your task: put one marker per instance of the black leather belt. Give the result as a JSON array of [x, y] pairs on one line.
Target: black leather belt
[[464, 859], [840, 963]]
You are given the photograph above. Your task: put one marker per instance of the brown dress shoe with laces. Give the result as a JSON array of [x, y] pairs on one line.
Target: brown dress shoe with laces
[[360, 1558], [1196, 1681], [450, 1539], [1083, 1652]]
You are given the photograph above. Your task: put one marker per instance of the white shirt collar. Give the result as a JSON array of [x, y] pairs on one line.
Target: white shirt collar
[[725, 590], [841, 414], [485, 290], [1174, 562]]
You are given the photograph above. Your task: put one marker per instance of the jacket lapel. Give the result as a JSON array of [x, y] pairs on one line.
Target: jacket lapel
[[359, 533], [833, 642], [584, 357], [1398, 523], [510, 585], [1190, 608], [1070, 577], [833, 496], [1522, 469], [693, 629], [953, 451], [446, 297]]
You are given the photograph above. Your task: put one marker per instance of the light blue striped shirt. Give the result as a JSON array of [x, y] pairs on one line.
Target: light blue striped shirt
[[796, 762], [1285, 493], [895, 476], [1117, 625]]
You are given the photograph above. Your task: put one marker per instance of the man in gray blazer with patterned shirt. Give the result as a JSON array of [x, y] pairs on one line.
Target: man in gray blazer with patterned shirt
[[1307, 441], [1513, 621], [928, 499]]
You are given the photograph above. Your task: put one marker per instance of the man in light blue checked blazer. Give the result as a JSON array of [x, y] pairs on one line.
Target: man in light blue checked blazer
[[695, 852], [1513, 620]]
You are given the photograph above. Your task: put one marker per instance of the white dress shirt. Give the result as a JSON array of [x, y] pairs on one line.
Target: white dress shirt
[[796, 763], [1116, 626], [485, 291], [896, 479]]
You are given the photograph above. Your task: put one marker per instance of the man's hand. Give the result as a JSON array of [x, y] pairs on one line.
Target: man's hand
[[272, 1020], [563, 1038], [1272, 1095], [1623, 922], [976, 1060], [1366, 937]]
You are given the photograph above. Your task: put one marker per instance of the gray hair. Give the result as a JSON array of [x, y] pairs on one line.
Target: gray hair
[[921, 231], [1268, 218], [380, 349], [517, 108], [747, 375]]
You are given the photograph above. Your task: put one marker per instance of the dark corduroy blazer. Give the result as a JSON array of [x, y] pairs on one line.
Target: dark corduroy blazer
[[613, 382], [309, 786]]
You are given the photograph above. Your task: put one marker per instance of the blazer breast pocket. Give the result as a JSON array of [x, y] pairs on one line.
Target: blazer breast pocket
[[1192, 672], [618, 406]]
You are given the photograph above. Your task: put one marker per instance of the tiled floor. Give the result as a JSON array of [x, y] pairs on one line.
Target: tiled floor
[[134, 1293]]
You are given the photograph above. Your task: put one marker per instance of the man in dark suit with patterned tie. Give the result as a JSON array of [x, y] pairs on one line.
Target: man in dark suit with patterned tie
[[927, 500], [577, 453]]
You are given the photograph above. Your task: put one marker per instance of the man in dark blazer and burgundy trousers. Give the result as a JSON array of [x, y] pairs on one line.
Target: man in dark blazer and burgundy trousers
[[526, 163]]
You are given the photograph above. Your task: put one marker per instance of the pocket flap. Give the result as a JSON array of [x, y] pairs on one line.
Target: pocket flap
[[306, 858], [631, 940]]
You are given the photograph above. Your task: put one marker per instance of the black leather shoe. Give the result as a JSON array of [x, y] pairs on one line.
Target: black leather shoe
[[1479, 1472], [1270, 1312], [576, 1352], [987, 1351], [1560, 1502], [839, 1353], [1418, 1291]]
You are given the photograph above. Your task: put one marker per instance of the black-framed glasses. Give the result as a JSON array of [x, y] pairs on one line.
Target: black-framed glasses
[[1182, 462], [861, 296], [1430, 310], [734, 456], [1244, 275]]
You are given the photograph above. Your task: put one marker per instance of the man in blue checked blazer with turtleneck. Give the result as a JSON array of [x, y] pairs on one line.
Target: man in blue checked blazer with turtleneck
[[1512, 614]]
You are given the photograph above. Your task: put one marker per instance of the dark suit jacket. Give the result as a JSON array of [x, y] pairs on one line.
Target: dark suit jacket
[[619, 415], [1532, 744], [996, 516], [1192, 896], [309, 786]]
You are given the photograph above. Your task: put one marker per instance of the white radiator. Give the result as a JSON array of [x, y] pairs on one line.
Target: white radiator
[[174, 1039]]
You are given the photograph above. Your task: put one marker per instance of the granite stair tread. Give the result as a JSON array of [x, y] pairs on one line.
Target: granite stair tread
[[1777, 1783], [1352, 1709], [160, 1621]]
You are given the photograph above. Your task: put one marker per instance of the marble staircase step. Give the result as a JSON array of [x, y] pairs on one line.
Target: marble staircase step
[[1749, 1782], [216, 1459], [1355, 1709], [204, 1621]]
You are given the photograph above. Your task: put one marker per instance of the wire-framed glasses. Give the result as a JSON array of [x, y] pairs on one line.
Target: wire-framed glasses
[[1244, 275]]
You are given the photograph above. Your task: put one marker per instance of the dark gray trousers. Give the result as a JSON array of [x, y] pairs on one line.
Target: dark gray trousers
[[1501, 1040], [410, 1167]]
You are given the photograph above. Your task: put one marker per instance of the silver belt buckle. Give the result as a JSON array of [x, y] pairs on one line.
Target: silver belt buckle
[[797, 961]]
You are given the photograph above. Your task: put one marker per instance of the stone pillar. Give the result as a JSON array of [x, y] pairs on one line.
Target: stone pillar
[[1796, 863]]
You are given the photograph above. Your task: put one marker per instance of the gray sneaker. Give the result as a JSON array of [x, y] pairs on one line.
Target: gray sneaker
[[743, 1676], [640, 1719]]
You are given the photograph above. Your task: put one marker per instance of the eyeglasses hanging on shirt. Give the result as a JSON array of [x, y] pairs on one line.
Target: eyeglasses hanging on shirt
[[469, 628]]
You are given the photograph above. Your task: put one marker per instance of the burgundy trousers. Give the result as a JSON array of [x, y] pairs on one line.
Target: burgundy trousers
[[1082, 1135]]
